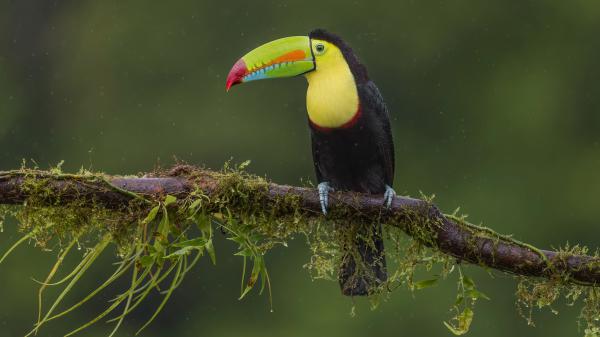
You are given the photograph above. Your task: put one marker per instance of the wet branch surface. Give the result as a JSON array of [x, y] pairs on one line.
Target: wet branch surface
[[465, 242]]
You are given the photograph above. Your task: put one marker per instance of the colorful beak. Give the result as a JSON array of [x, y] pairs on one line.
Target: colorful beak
[[286, 57]]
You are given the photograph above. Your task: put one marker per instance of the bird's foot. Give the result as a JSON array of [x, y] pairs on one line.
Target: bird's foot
[[324, 190], [388, 196]]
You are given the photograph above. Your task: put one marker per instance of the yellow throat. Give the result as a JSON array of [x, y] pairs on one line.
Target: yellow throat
[[332, 97]]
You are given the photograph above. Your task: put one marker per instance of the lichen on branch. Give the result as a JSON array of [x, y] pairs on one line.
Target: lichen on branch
[[162, 223]]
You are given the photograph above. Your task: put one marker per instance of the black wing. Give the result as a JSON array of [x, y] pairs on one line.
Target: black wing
[[375, 108]]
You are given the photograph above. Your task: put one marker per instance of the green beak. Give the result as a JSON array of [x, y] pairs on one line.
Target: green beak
[[286, 57]]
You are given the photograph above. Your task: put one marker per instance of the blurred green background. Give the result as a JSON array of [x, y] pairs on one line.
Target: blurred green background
[[494, 105]]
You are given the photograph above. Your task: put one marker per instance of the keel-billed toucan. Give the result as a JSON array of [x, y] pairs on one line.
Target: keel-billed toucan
[[350, 130]]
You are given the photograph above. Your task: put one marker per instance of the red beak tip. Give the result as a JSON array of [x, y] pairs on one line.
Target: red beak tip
[[231, 83], [236, 74]]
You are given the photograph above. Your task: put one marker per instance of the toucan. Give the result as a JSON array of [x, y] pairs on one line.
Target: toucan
[[352, 144]]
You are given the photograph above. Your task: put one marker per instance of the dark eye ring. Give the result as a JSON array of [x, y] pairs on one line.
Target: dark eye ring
[[320, 48]]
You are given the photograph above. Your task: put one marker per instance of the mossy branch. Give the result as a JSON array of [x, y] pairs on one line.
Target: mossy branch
[[418, 218]]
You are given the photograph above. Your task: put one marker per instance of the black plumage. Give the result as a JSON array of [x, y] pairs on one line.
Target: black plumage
[[358, 157]]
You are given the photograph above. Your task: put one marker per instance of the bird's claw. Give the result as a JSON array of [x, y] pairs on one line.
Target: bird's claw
[[388, 196], [324, 190]]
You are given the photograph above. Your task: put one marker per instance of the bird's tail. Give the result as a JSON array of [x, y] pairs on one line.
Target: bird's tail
[[363, 268]]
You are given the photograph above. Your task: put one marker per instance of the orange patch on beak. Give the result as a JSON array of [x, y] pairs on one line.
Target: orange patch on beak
[[295, 55], [291, 56]]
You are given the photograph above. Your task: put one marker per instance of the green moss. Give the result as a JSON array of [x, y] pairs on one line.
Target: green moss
[[160, 239], [535, 293]]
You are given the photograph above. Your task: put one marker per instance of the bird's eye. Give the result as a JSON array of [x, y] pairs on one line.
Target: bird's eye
[[320, 48]]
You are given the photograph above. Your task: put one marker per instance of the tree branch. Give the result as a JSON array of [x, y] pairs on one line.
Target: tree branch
[[451, 236]]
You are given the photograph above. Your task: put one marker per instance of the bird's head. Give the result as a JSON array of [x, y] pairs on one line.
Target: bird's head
[[294, 56]]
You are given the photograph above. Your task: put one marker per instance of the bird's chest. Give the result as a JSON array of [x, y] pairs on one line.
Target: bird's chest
[[331, 99]]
